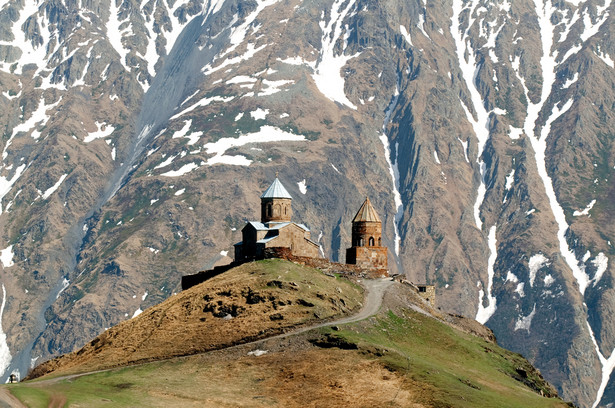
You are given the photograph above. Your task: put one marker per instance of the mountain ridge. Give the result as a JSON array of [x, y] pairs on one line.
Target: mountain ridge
[[479, 130]]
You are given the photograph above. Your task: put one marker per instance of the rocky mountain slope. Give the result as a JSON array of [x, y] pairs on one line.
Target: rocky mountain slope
[[403, 354], [138, 135]]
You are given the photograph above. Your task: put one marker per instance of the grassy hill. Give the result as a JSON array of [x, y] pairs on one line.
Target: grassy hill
[[401, 357]]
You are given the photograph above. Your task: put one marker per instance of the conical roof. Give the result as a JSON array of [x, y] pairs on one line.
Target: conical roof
[[276, 190], [366, 213]]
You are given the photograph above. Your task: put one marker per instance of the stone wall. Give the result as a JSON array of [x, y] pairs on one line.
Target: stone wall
[[368, 257], [363, 231], [294, 238]]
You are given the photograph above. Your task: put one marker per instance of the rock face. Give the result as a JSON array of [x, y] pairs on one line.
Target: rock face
[[136, 134]]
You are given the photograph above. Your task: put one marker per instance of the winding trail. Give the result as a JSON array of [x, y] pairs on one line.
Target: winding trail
[[374, 294]]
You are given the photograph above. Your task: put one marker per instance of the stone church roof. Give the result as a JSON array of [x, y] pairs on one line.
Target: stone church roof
[[366, 213], [276, 190]]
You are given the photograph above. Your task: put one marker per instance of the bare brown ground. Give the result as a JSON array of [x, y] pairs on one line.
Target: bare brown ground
[[301, 376], [255, 300]]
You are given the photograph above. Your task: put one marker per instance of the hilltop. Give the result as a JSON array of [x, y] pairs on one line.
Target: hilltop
[[405, 354]]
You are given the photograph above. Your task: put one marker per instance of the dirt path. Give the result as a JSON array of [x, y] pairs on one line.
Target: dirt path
[[375, 290], [8, 400]]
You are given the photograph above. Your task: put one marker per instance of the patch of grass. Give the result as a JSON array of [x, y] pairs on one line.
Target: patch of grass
[[464, 370], [32, 397]]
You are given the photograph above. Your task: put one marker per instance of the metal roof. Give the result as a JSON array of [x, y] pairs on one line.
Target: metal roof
[[265, 240], [276, 190], [259, 226], [366, 213]]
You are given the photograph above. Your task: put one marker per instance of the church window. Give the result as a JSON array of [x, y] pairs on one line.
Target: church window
[[379, 241], [371, 241], [269, 210], [360, 241]]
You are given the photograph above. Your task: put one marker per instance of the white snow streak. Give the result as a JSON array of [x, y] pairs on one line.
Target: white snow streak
[[607, 367], [601, 262], [53, 188], [484, 313], [327, 74], [38, 117], [545, 11], [65, 283], [469, 69], [535, 263], [266, 134], [100, 133], [115, 35], [586, 210], [186, 168], [405, 34], [6, 184], [201, 103], [5, 353], [393, 169]]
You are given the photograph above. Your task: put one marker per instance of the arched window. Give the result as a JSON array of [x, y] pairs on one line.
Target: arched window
[[379, 241], [371, 241], [284, 210], [269, 210], [360, 241]]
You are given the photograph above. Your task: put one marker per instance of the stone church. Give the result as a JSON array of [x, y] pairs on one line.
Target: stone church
[[367, 250], [275, 231]]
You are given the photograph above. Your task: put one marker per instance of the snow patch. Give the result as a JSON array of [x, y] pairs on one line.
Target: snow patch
[[405, 34], [104, 130], [327, 74], [520, 289], [601, 262], [511, 277], [302, 186], [5, 353], [6, 257], [586, 210], [484, 313], [185, 169], [137, 313], [65, 283], [536, 262], [53, 188], [265, 135], [259, 114], [525, 322], [515, 133], [570, 81]]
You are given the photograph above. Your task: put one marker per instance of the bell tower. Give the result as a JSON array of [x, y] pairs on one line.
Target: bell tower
[[276, 203], [367, 250]]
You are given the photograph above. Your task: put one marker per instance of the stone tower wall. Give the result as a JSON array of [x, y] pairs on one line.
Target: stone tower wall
[[368, 257], [364, 230], [276, 210]]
